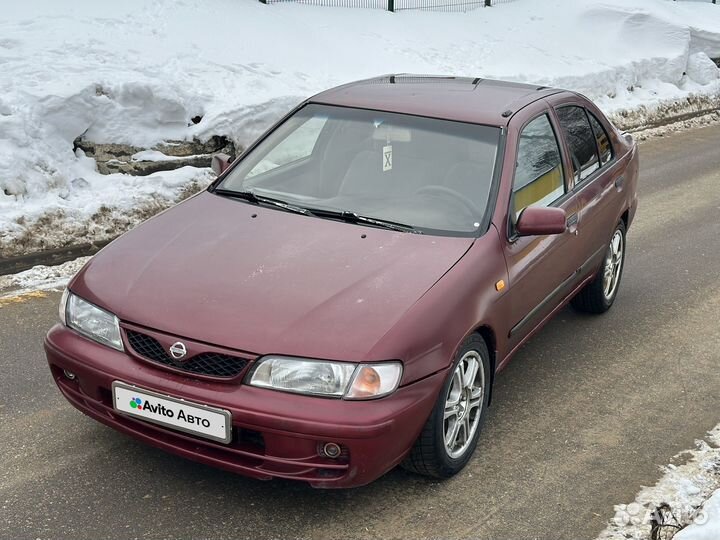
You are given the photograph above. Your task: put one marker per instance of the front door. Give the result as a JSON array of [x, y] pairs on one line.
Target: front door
[[541, 269]]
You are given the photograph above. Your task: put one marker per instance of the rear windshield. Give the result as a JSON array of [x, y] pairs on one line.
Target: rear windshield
[[434, 175]]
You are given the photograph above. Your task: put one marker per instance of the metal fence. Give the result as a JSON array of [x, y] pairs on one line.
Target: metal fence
[[399, 5], [405, 5]]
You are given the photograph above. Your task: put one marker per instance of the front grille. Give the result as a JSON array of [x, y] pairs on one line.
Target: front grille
[[211, 364]]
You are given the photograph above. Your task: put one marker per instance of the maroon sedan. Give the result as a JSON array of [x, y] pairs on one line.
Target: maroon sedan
[[339, 301]]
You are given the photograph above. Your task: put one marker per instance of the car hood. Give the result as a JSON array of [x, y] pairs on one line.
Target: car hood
[[229, 273]]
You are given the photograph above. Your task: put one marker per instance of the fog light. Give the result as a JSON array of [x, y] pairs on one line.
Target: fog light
[[332, 450], [69, 375]]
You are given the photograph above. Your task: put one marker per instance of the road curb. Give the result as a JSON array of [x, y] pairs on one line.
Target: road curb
[[50, 257], [669, 120]]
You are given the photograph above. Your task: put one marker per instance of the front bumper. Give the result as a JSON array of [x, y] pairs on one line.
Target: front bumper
[[275, 434]]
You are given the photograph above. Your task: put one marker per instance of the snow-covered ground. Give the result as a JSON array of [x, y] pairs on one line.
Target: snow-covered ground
[[40, 278], [692, 491], [136, 72], [706, 528]]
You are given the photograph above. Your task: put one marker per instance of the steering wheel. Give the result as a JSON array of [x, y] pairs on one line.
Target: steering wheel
[[444, 190]]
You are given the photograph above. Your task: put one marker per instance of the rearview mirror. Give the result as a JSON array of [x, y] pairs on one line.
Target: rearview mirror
[[539, 221], [220, 163]]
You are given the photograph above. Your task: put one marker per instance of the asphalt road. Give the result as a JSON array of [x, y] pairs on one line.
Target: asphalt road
[[581, 419]]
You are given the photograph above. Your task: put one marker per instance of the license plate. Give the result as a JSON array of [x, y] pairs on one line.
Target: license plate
[[171, 412]]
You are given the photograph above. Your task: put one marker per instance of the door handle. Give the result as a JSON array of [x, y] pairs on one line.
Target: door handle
[[571, 223], [619, 181]]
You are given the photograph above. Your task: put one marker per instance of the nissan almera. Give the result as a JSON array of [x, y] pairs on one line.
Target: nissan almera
[[340, 300]]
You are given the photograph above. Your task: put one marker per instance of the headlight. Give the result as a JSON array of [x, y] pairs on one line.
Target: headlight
[[322, 378], [91, 321]]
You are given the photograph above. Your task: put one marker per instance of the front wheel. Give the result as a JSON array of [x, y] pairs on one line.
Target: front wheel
[[598, 295], [450, 434]]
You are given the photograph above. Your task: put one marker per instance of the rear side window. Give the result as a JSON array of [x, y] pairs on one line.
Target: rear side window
[[538, 174], [580, 139], [603, 141]]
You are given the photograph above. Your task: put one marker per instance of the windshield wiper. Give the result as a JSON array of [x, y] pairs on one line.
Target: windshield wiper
[[344, 215], [253, 197], [353, 217]]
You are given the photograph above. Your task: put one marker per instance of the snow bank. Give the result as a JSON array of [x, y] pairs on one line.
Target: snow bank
[[709, 529], [136, 72]]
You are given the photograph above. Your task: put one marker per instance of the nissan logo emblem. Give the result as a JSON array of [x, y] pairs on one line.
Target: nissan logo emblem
[[178, 350]]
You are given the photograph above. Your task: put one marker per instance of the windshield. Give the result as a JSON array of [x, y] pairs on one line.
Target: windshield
[[432, 175]]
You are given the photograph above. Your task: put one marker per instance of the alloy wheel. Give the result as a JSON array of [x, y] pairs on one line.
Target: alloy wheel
[[613, 264], [463, 404]]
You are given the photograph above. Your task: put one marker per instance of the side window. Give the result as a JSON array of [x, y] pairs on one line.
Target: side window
[[296, 146], [580, 139], [603, 141], [538, 174]]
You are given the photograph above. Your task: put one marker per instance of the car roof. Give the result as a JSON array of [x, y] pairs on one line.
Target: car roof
[[481, 101]]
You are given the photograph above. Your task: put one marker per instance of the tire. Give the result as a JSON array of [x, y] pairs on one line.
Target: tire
[[430, 455], [599, 295]]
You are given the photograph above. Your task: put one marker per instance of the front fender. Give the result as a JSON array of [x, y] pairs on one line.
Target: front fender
[[464, 299]]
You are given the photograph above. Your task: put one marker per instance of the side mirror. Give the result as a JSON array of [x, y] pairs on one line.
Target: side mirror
[[220, 163], [540, 221]]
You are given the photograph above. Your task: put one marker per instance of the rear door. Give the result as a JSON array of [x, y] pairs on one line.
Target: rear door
[[596, 182]]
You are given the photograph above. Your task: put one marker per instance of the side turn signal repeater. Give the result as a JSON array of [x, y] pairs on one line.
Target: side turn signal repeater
[[500, 285]]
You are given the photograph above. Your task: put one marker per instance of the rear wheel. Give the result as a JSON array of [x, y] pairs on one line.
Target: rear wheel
[[598, 295], [450, 434]]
